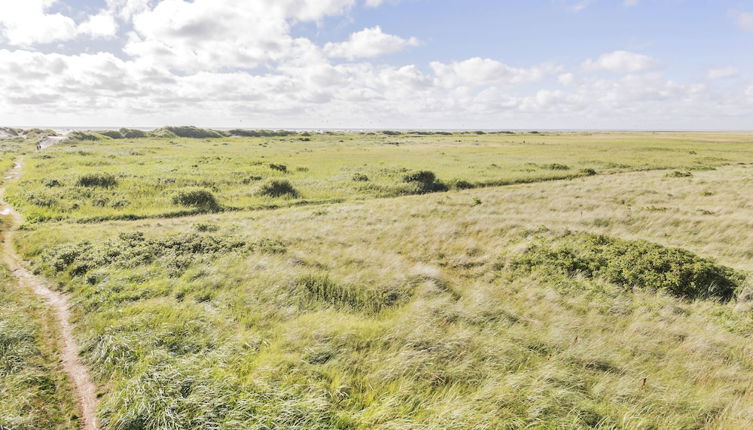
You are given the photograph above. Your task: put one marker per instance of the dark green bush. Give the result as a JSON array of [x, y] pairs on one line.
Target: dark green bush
[[279, 167], [277, 188], [103, 180], [360, 177], [634, 264], [196, 197], [588, 172], [423, 181], [557, 166], [461, 184]]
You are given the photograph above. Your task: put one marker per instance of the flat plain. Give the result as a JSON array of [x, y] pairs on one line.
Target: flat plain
[[395, 280]]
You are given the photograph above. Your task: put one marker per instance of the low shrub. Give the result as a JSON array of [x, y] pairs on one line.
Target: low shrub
[[112, 134], [557, 166], [103, 180], [588, 172], [360, 177], [130, 250], [279, 167], [634, 264], [196, 197], [679, 174], [277, 188], [461, 184], [423, 181]]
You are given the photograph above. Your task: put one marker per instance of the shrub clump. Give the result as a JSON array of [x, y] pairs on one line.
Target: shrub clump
[[557, 166], [196, 197], [360, 177], [423, 181], [634, 264], [277, 188], [102, 180], [279, 167], [130, 250], [679, 174], [83, 135]]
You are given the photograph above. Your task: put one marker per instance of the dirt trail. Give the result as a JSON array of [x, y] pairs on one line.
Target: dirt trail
[[86, 391]]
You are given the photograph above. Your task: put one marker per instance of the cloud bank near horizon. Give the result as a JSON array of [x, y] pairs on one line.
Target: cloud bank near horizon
[[241, 62]]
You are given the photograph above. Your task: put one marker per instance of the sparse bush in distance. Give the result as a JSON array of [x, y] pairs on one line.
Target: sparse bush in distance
[[277, 188], [360, 177], [679, 174], [102, 180], [279, 167], [424, 181], [200, 198]]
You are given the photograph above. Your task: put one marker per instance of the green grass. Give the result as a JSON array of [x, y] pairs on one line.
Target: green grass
[[614, 300], [34, 391], [145, 173]]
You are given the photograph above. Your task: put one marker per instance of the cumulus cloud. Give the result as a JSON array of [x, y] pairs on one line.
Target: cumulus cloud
[[621, 62], [484, 71], [369, 42], [27, 22]]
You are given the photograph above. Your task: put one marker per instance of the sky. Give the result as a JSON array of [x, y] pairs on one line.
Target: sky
[[375, 64]]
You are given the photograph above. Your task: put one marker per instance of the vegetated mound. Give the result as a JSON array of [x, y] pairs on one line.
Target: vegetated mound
[[187, 131], [277, 188], [633, 264], [124, 133], [199, 198], [85, 135], [423, 181], [260, 133], [102, 180], [129, 250]]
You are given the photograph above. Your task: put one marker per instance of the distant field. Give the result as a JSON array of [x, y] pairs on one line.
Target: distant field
[[143, 176], [620, 299]]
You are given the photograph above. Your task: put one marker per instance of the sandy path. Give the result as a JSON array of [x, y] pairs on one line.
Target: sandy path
[[86, 391]]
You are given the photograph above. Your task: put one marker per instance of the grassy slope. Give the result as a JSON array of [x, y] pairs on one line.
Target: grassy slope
[[150, 171], [34, 392], [269, 339]]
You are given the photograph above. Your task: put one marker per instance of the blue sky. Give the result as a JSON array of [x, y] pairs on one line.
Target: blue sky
[[620, 64]]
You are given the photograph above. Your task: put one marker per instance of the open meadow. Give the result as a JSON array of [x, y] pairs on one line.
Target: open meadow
[[388, 280]]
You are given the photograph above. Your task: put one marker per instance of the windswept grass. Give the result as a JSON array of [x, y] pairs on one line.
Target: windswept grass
[[331, 167], [415, 311]]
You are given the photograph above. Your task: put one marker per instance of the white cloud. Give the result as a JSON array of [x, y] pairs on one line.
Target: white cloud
[[484, 71], [745, 21], [725, 72], [369, 42], [621, 62], [100, 25], [211, 34], [26, 23], [630, 3]]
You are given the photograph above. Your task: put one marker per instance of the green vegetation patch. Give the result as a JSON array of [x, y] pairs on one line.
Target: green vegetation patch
[[633, 264], [128, 250]]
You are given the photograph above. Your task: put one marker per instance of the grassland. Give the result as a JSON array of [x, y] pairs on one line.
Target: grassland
[[143, 176], [614, 300]]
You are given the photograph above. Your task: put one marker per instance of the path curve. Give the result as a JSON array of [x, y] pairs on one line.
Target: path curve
[[86, 391]]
